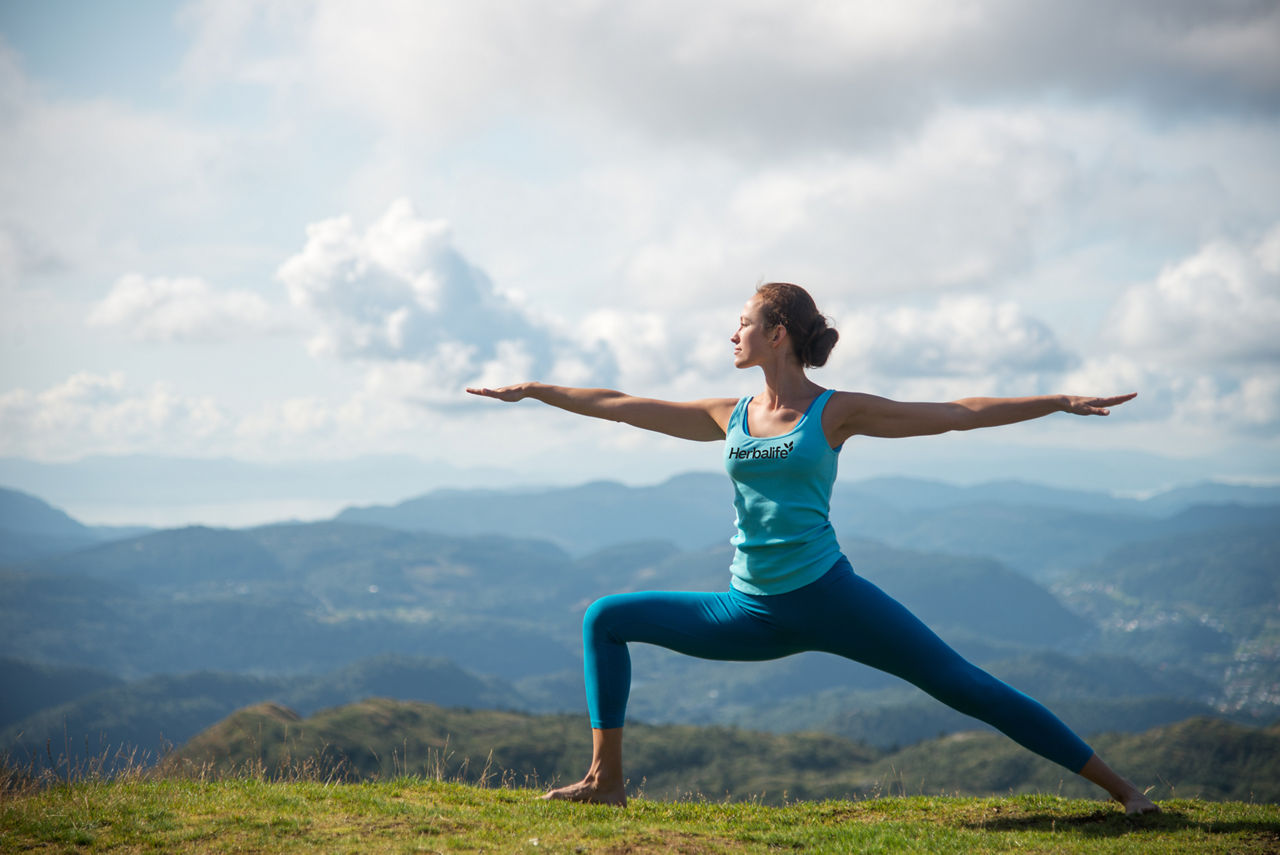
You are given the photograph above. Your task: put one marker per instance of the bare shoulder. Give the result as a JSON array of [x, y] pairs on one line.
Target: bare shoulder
[[851, 413], [720, 410], [846, 405]]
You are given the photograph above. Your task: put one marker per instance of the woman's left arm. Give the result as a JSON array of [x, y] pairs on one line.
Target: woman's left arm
[[855, 413]]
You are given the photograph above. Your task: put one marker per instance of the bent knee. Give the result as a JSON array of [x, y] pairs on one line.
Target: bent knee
[[602, 616]]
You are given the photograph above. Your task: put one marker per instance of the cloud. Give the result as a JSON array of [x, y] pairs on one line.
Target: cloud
[[400, 292], [970, 336], [1248, 405], [728, 72], [1200, 343], [100, 414], [90, 184], [177, 309], [1220, 306]]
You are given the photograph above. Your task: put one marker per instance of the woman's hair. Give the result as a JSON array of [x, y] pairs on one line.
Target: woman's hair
[[791, 306]]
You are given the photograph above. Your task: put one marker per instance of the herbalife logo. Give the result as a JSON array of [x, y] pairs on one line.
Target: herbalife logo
[[775, 452]]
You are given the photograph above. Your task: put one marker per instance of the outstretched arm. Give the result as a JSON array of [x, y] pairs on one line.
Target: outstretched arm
[[703, 420], [870, 415]]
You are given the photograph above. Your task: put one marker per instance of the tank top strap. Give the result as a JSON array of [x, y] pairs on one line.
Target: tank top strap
[[738, 418], [819, 404]]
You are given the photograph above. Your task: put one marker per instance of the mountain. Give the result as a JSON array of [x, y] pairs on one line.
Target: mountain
[[1157, 617], [30, 528], [1178, 499], [149, 480], [1199, 757], [690, 511], [308, 596], [171, 559], [30, 687], [119, 723], [379, 737], [1205, 598], [20, 512], [922, 494], [1040, 531]]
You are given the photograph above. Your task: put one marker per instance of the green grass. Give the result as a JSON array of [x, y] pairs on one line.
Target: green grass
[[137, 814]]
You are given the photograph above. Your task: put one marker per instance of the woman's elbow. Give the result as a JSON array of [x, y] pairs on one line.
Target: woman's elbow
[[960, 417]]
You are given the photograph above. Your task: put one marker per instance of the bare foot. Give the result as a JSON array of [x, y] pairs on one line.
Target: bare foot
[[589, 792], [1136, 804], [1121, 789]]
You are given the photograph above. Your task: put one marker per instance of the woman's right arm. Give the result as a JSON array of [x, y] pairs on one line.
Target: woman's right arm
[[704, 421]]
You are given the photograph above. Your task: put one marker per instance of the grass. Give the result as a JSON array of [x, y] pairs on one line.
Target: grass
[[137, 813]]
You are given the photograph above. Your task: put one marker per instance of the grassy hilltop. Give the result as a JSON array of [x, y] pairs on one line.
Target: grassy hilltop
[[421, 815], [394, 776]]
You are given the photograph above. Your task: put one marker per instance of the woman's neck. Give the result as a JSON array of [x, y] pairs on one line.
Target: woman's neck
[[785, 384]]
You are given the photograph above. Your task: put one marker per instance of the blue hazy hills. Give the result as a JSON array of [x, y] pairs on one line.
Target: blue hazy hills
[[1125, 614]]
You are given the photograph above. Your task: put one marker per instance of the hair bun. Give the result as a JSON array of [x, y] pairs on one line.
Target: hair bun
[[819, 345], [790, 305]]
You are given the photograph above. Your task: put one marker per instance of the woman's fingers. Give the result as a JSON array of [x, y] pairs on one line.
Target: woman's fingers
[[505, 393], [1098, 406]]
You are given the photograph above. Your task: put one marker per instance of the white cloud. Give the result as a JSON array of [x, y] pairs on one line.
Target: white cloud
[[86, 166], [91, 186], [400, 291], [642, 344], [101, 414], [728, 72], [1248, 405], [292, 423], [1221, 305], [183, 308], [632, 169], [1182, 406], [970, 336]]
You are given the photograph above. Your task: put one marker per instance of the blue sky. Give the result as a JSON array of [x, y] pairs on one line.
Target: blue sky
[[292, 231]]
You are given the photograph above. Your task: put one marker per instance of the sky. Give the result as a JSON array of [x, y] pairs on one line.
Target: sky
[[279, 231]]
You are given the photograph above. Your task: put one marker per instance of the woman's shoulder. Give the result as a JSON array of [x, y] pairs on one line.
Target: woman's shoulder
[[844, 412], [721, 410], [849, 400]]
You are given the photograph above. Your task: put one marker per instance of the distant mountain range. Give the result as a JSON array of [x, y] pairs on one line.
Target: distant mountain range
[[1041, 531], [113, 716], [172, 491], [1123, 613]]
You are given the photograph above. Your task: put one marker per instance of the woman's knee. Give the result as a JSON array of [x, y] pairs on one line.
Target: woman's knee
[[603, 616]]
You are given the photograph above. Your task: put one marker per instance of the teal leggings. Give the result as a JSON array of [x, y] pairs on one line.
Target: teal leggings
[[841, 613]]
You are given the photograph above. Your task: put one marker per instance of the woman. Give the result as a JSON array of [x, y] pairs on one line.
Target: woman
[[791, 588]]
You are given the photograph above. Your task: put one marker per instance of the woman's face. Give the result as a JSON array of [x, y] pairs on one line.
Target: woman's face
[[751, 342]]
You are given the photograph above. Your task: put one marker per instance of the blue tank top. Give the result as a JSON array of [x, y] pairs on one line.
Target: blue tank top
[[782, 493]]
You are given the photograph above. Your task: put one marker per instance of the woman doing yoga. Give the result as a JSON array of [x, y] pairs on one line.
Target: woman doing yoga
[[791, 589]]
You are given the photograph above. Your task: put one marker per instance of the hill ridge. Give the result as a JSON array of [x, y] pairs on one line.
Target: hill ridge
[[380, 738]]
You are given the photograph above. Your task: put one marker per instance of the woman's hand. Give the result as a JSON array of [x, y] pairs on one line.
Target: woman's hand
[[509, 394], [1083, 406]]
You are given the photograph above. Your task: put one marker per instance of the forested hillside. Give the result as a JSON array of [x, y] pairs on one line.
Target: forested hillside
[[1163, 610], [1201, 758]]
